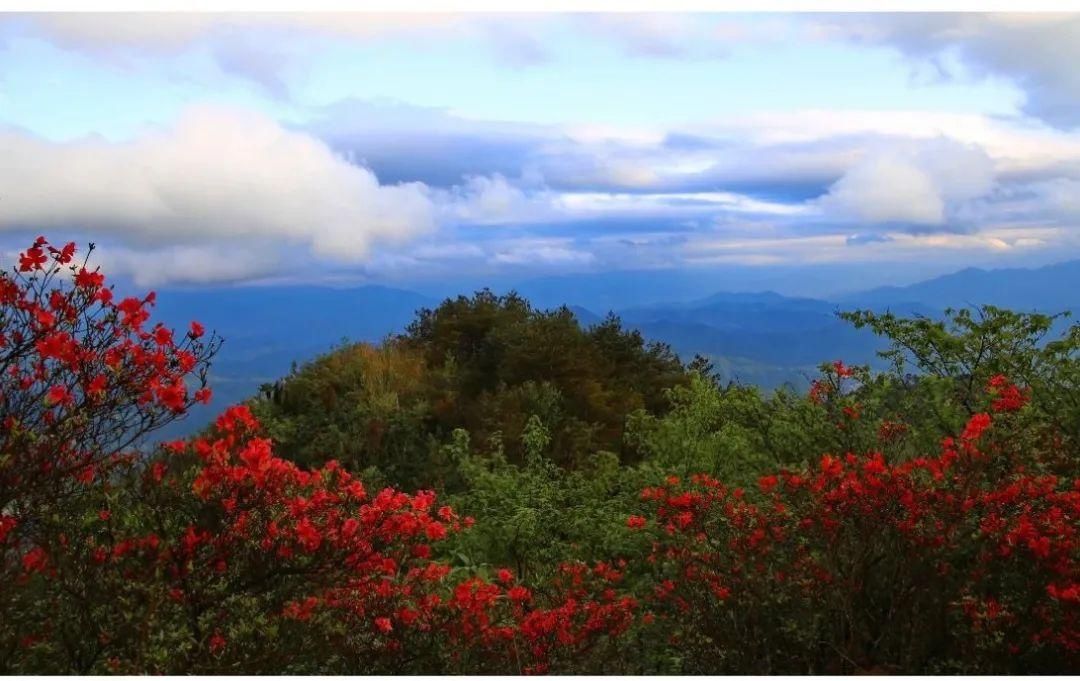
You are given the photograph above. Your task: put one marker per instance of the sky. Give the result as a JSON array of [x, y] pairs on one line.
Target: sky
[[210, 149]]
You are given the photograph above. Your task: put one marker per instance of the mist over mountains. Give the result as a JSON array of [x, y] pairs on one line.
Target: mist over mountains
[[761, 338]]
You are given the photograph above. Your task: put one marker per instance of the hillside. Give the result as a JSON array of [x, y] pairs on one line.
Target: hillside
[[268, 329], [499, 489], [1049, 289], [758, 338]]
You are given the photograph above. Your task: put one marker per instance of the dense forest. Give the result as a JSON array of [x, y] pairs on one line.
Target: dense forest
[[500, 489]]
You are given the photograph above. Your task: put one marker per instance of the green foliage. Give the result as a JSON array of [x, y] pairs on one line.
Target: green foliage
[[610, 510], [365, 406], [546, 433], [512, 361], [535, 516], [940, 368], [486, 364]]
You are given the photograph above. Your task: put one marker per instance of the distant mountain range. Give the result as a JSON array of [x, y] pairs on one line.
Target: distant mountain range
[[267, 329], [1053, 288], [761, 338]]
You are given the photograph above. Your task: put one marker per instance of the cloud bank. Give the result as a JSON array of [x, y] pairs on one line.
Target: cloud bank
[[227, 195], [1035, 52], [217, 174]]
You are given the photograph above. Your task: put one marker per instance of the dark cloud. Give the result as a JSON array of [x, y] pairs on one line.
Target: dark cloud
[[871, 238]]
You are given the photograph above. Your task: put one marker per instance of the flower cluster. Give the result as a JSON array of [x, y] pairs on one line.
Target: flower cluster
[[951, 537], [217, 555], [82, 376]]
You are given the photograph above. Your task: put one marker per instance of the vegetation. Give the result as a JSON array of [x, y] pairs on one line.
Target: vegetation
[[604, 509], [486, 364]]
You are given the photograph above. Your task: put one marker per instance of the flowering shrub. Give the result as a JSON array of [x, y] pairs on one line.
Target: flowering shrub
[[82, 376], [249, 563], [217, 555], [502, 627], [944, 563]]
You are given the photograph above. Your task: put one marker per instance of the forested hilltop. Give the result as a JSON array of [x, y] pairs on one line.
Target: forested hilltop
[[488, 365], [501, 489]]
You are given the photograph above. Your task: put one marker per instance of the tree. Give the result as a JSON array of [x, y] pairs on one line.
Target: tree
[[83, 378], [215, 555]]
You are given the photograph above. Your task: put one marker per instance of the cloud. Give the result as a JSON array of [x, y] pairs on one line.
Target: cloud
[[861, 239], [1036, 52], [1060, 196], [355, 187], [490, 200], [111, 33], [657, 35], [259, 46], [186, 264], [764, 178], [404, 143], [218, 175], [917, 184], [774, 156], [543, 253]]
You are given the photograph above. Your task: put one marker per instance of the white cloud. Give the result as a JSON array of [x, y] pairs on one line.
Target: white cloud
[[217, 176], [916, 184], [171, 31], [185, 264], [1060, 196], [542, 252], [493, 199], [656, 34], [1037, 52], [258, 45]]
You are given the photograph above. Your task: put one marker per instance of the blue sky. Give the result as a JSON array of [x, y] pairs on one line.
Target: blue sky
[[205, 149]]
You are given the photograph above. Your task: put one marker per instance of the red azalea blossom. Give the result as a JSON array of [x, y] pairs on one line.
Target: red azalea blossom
[[636, 522], [838, 560], [217, 643]]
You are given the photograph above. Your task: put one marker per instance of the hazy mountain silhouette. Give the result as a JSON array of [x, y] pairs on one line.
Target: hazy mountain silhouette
[[1052, 288], [763, 338]]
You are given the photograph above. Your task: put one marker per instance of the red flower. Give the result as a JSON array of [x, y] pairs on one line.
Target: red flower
[[163, 336], [636, 522], [976, 426], [97, 385], [88, 279], [66, 253], [831, 466], [58, 394], [32, 259], [217, 643], [308, 535], [35, 560], [1008, 397], [384, 625]]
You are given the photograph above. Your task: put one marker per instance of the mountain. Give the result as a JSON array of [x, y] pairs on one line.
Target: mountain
[[759, 337], [614, 290], [1053, 288], [762, 338], [268, 328]]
